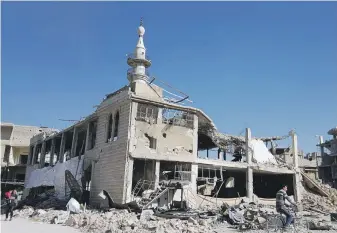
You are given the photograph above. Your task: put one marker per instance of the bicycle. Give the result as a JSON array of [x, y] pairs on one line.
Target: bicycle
[[276, 222]]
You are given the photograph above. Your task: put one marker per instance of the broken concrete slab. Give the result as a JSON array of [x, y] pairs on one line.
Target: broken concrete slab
[[311, 184]]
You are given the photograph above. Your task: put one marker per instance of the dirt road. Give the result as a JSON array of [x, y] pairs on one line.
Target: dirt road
[[19, 224]]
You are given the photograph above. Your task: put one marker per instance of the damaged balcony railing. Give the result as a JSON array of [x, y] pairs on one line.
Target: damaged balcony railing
[[141, 186], [177, 117]]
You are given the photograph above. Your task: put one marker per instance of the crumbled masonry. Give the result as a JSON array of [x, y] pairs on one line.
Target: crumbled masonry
[[249, 216]]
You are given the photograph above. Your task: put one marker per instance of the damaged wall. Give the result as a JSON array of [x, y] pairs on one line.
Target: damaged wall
[[110, 157], [55, 176], [172, 140], [155, 139]]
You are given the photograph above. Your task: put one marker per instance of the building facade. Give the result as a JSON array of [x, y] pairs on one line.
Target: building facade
[[328, 165], [15, 140]]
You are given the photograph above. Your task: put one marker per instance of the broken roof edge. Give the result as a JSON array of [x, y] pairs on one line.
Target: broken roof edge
[[206, 121], [7, 124], [107, 96], [167, 104], [82, 121]]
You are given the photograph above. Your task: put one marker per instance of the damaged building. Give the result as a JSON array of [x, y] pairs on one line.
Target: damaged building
[[15, 140], [144, 139], [328, 166]]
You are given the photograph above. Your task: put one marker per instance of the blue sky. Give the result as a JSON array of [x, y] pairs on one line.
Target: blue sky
[[270, 66]]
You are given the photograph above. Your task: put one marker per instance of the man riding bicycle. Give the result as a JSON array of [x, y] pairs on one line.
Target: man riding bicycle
[[281, 205]]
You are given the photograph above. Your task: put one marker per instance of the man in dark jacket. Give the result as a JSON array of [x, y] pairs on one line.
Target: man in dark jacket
[[10, 201], [281, 206]]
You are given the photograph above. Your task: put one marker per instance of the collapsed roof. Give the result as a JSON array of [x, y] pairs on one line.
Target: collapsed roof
[[210, 137]]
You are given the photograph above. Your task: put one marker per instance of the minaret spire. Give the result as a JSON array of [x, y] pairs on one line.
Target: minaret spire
[[138, 60]]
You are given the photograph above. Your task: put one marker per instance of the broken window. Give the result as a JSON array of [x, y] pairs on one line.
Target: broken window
[[92, 134], [23, 159], [152, 141], [31, 155], [57, 150], [80, 145], [37, 155], [20, 177], [68, 144], [47, 153], [116, 126], [109, 129], [177, 117], [147, 113], [7, 153], [175, 171]]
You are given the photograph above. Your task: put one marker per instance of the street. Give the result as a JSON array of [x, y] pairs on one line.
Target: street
[[19, 224]]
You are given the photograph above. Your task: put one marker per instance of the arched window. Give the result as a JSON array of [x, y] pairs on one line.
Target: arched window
[[109, 129], [116, 126]]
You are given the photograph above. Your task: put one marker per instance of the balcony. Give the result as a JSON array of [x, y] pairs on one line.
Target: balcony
[[131, 72], [12, 181], [134, 61]]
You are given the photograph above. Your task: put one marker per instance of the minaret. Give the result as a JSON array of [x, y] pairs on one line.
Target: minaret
[[138, 61]]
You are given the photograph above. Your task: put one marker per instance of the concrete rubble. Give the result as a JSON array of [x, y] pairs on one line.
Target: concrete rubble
[[318, 203], [243, 216]]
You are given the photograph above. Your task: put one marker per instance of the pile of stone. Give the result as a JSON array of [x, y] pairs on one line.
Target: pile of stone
[[246, 215], [117, 221], [318, 203]]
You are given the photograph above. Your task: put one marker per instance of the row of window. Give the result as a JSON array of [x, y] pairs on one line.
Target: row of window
[[112, 134]]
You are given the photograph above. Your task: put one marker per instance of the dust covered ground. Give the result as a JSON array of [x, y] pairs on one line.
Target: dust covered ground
[[122, 221], [26, 225]]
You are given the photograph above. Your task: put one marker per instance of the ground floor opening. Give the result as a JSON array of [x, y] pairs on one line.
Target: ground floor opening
[[266, 185]]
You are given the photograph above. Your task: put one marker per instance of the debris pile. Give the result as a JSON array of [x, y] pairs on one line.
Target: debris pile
[[118, 221], [45, 200], [318, 203], [246, 215]]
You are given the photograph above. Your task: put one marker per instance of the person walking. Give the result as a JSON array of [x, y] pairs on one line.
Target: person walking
[[10, 198]]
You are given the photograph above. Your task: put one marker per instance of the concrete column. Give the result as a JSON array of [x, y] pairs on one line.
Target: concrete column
[[128, 181], [34, 155], [11, 157], [295, 150], [182, 198], [43, 154], [297, 175], [249, 184], [157, 174], [62, 147], [321, 147], [195, 136], [74, 143], [87, 138], [194, 176], [52, 151], [322, 154], [29, 155]]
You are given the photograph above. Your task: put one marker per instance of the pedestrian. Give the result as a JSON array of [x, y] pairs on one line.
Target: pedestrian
[[10, 198]]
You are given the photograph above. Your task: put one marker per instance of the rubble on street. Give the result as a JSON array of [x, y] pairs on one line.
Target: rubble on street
[[243, 216]]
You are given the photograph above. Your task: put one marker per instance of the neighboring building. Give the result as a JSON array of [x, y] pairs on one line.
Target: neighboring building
[[15, 140], [139, 137], [307, 163], [328, 166]]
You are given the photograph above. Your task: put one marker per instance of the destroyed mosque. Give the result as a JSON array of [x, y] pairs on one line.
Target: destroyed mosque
[[143, 136]]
